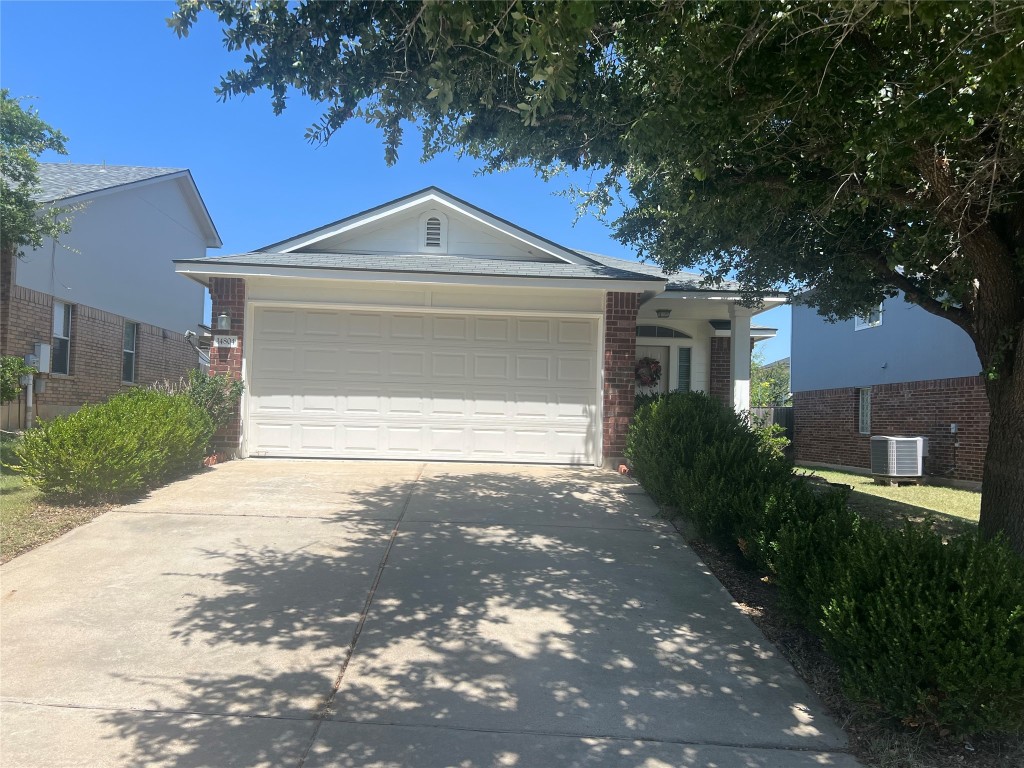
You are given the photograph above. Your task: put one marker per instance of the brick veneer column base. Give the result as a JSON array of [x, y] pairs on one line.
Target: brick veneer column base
[[227, 294], [619, 372], [826, 424], [721, 370]]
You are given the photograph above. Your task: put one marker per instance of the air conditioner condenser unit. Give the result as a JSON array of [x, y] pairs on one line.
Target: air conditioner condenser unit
[[898, 456]]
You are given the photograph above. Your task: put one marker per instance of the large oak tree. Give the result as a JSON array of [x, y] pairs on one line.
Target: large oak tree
[[860, 149]]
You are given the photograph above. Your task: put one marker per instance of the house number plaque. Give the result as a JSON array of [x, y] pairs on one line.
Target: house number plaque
[[230, 342]]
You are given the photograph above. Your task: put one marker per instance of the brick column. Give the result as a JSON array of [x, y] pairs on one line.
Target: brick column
[[721, 370], [228, 295], [619, 372]]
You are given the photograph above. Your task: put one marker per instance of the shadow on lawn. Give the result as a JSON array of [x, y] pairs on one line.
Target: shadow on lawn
[[483, 622]]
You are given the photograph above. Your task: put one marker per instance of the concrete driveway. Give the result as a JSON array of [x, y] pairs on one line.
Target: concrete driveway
[[314, 613]]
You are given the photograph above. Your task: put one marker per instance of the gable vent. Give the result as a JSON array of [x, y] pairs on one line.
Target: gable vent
[[433, 233]]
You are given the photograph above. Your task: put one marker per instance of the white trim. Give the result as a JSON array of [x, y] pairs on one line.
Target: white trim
[[417, 309], [312, 273], [863, 322]]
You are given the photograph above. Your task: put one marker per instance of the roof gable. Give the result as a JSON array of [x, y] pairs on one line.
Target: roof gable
[[74, 182], [395, 228]]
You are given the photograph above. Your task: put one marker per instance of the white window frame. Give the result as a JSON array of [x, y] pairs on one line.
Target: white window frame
[[864, 410], [872, 319], [63, 314], [133, 352]]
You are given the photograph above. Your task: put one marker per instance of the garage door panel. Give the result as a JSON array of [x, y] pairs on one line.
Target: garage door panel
[[449, 365], [532, 331], [492, 329], [407, 385]]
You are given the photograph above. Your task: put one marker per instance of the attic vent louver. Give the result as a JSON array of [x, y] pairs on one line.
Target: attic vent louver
[[433, 235]]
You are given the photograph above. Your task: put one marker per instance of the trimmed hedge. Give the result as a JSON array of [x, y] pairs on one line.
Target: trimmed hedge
[[927, 632], [134, 441]]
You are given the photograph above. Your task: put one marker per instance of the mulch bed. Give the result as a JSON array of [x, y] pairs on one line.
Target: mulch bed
[[878, 743]]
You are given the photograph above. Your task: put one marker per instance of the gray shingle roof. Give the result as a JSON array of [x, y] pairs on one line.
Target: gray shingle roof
[[60, 181], [677, 281], [428, 264]]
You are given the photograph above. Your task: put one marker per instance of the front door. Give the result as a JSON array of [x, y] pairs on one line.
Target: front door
[[661, 355]]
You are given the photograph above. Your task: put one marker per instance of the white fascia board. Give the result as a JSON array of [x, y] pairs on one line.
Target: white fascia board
[[376, 215], [768, 302], [202, 272]]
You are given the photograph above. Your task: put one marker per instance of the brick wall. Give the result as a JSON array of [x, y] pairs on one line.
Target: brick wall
[[96, 353], [619, 371], [721, 369], [826, 424], [227, 294]]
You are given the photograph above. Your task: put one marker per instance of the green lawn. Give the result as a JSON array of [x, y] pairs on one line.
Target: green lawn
[[25, 522], [953, 510]]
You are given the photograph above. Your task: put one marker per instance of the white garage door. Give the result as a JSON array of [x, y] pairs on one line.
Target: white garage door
[[368, 384]]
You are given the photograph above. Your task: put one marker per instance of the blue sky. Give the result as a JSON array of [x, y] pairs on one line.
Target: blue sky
[[126, 91]]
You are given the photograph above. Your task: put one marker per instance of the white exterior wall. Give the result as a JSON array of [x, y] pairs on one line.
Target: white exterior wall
[[402, 234], [343, 293], [118, 257]]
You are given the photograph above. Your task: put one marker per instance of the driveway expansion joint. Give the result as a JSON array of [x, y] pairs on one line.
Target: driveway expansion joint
[[326, 707]]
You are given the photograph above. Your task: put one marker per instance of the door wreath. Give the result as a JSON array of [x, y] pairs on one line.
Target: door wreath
[[648, 372]]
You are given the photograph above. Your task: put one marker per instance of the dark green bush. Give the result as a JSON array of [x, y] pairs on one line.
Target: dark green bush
[[132, 442], [806, 550], [931, 633], [696, 454], [669, 432]]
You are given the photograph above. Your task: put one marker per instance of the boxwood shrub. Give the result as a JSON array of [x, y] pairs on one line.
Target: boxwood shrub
[[132, 442], [927, 632], [930, 632]]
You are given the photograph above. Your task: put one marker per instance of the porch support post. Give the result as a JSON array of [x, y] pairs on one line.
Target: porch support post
[[740, 350]]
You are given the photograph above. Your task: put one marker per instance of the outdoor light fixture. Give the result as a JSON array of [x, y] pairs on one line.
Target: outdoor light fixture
[[223, 322], [663, 313]]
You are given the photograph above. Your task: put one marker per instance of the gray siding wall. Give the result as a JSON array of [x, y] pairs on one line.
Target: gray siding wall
[[909, 345]]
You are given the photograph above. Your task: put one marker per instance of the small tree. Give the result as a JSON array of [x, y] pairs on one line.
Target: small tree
[[11, 370], [24, 223], [769, 382]]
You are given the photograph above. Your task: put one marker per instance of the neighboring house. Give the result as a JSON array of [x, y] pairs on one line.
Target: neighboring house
[[105, 296], [427, 328], [901, 371]]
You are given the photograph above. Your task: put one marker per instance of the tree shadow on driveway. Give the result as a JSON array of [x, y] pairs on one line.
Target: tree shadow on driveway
[[515, 609]]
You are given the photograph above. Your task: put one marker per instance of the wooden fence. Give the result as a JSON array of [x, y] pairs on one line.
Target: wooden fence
[[781, 415]]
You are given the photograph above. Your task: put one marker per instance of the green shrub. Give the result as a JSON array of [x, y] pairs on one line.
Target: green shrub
[[772, 437], [11, 370], [696, 454], [667, 434], [217, 395], [932, 633], [9, 442], [806, 550], [132, 442]]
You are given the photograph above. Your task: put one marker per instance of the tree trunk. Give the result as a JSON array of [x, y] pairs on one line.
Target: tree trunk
[[1002, 502]]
